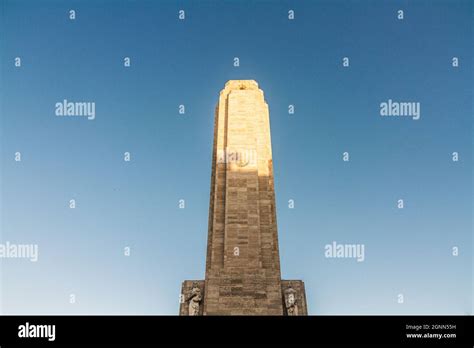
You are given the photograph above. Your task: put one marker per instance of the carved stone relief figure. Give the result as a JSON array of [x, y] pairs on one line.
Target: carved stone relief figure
[[194, 300], [291, 301]]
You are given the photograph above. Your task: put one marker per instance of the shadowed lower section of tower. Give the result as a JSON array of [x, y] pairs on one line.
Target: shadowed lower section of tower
[[243, 265]]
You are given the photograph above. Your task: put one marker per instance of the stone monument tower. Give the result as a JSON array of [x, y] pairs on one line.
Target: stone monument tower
[[243, 264]]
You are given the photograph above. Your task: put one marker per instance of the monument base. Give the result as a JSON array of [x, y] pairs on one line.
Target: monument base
[[293, 297]]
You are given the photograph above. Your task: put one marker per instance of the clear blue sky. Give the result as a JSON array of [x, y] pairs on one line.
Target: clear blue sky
[[188, 62]]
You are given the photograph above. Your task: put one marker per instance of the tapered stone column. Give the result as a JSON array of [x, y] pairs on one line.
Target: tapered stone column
[[243, 265]]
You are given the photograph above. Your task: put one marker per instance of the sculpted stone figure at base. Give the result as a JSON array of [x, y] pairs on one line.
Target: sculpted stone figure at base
[[194, 300], [290, 301]]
